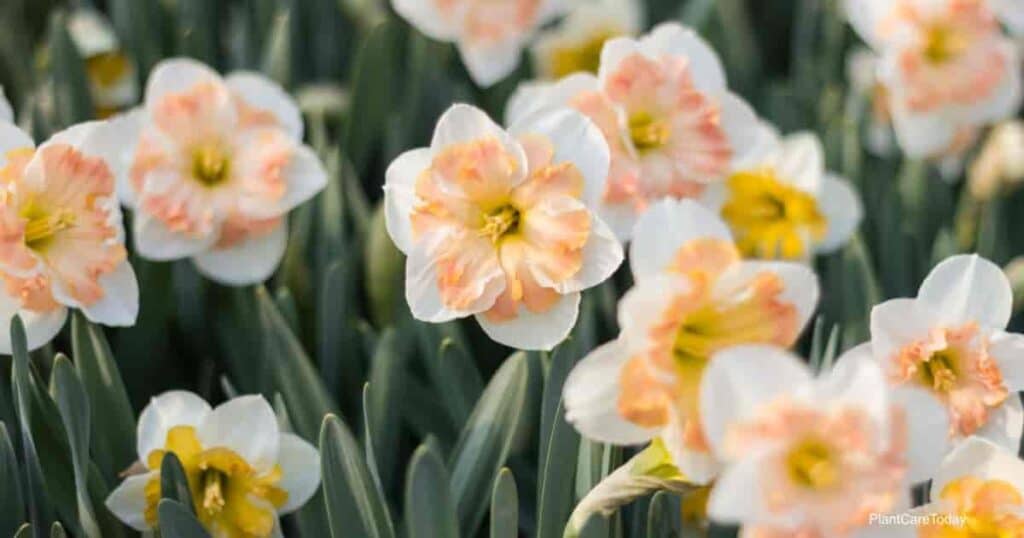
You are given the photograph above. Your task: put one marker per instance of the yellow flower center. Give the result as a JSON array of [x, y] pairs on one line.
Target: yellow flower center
[[107, 69], [211, 165], [500, 223], [585, 56], [648, 133], [43, 225], [813, 464], [943, 43], [228, 494], [941, 371], [770, 218]]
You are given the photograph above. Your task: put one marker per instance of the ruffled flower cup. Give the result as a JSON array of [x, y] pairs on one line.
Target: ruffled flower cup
[[242, 471], [694, 296], [61, 238], [213, 167], [499, 225], [662, 104], [575, 44]]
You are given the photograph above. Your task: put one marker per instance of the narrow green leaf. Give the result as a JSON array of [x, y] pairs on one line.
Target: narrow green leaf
[[110, 526], [73, 405], [174, 482], [504, 506], [140, 24], [355, 506], [558, 450], [486, 440], [198, 31], [429, 512], [663, 519], [12, 509], [57, 531], [24, 532], [112, 439], [387, 380], [374, 92], [597, 526], [176, 521], [72, 101]]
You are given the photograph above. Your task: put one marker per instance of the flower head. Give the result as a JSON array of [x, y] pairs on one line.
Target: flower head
[[950, 341], [499, 224], [490, 34], [662, 104], [112, 74], [243, 472], [782, 203], [61, 240], [807, 457], [694, 297], [946, 64], [215, 166], [575, 44]]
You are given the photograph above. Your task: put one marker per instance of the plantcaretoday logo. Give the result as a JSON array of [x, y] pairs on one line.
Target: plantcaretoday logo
[[917, 520]]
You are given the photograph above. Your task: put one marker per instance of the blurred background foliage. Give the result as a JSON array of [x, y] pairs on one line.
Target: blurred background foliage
[[412, 406]]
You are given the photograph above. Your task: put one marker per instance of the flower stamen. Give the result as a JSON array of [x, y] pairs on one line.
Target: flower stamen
[[211, 165], [500, 223], [648, 133], [940, 371], [42, 225], [213, 483], [943, 43], [812, 464]]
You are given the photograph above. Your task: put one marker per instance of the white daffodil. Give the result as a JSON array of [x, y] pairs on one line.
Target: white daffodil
[[978, 491], [946, 64], [662, 104], [214, 166], [6, 112], [61, 237], [782, 202], [112, 74], [243, 472], [694, 296], [490, 34], [575, 44], [499, 224], [951, 342], [810, 457]]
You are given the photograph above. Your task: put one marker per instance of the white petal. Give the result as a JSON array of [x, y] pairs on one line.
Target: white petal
[[122, 132], [119, 306], [800, 284], [1011, 12], [421, 284], [1005, 99], [6, 112], [859, 384], [922, 135], [170, 409], [862, 70], [621, 218], [1008, 351], [300, 471], [741, 126], [262, 93], [666, 227], [531, 97], [488, 64], [968, 288], [897, 323], [674, 39], [842, 207], [865, 17], [739, 380], [428, 18], [176, 75], [602, 256], [535, 331], [645, 305], [612, 53], [576, 140], [154, 241], [128, 501], [249, 262], [591, 398], [248, 426], [1005, 425], [801, 161], [698, 467], [465, 123], [740, 494], [982, 459], [400, 195], [12, 138], [928, 439], [40, 328], [306, 177]]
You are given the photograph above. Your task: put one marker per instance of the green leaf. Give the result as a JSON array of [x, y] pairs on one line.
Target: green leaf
[[559, 446], [663, 519], [486, 440], [24, 532], [386, 386], [387, 265], [597, 526], [374, 89], [355, 507], [504, 506], [57, 531], [112, 439], [176, 521], [72, 101], [198, 31], [174, 481], [110, 526], [73, 405], [429, 512], [12, 509], [140, 24]]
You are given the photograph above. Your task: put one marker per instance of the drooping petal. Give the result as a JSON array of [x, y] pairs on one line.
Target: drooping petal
[[128, 501], [928, 440], [842, 207], [248, 426], [1005, 426], [675, 39], [666, 227], [592, 393], [119, 305], [249, 261], [534, 330], [1008, 351], [400, 195], [266, 96], [170, 409], [968, 288], [300, 471]]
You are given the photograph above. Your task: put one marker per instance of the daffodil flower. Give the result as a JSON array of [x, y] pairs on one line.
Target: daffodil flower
[[490, 34], [242, 471], [951, 342], [663, 106], [61, 238], [112, 74], [694, 296], [575, 44], [810, 457], [214, 166], [947, 65], [978, 491], [499, 224], [782, 203]]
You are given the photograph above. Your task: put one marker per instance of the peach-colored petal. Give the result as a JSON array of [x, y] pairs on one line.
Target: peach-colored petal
[[33, 293]]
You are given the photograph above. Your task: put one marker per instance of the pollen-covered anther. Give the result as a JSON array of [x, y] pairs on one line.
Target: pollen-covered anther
[[500, 223], [648, 132]]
